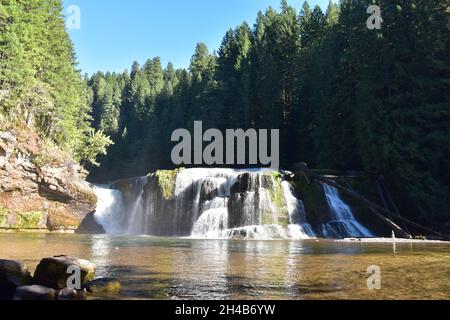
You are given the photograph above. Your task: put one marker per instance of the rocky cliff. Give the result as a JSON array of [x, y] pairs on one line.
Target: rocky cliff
[[41, 188]]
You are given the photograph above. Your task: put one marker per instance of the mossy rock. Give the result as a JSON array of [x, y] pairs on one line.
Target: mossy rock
[[29, 220], [22, 220], [4, 213], [166, 182], [278, 199], [103, 286]]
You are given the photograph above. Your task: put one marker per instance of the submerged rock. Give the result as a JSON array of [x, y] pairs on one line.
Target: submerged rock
[[71, 294], [13, 274], [34, 292], [103, 285], [52, 272]]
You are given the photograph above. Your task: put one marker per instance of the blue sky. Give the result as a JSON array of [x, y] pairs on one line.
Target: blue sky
[[114, 33]]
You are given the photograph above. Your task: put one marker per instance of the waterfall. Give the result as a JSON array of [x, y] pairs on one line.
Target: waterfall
[[135, 209], [297, 215], [205, 203], [109, 209], [342, 223]]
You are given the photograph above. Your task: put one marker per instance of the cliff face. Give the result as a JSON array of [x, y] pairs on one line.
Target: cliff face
[[40, 186]]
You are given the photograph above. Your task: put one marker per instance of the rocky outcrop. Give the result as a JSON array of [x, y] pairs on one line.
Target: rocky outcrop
[[40, 187]]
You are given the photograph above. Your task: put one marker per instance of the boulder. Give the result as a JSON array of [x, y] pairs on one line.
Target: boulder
[[90, 226], [53, 272], [71, 294], [103, 285], [34, 292], [13, 274]]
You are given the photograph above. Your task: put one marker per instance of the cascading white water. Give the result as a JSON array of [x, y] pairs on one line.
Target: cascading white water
[[219, 203], [136, 210], [109, 209], [255, 206], [205, 205], [298, 228], [342, 222]]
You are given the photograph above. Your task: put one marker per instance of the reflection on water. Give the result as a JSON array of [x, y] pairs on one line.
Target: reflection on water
[[101, 252], [161, 268]]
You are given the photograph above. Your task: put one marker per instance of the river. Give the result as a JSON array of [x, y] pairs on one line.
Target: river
[[182, 268]]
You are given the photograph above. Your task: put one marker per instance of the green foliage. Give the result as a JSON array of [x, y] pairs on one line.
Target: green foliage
[[39, 83], [96, 144]]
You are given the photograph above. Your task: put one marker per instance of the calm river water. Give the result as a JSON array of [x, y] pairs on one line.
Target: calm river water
[[162, 268]]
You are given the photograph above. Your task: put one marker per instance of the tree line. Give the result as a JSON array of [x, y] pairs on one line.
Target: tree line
[[343, 96]]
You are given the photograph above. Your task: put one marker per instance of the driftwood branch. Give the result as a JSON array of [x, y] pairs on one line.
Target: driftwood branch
[[379, 211]]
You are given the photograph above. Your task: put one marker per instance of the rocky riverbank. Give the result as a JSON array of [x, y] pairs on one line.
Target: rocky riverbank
[[41, 187], [55, 278]]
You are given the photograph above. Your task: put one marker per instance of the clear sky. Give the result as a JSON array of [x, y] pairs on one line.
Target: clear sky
[[114, 33]]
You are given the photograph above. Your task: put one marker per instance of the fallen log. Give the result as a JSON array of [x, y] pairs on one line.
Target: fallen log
[[378, 210]]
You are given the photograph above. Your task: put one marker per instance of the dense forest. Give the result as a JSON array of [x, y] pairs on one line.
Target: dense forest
[[40, 87], [343, 96]]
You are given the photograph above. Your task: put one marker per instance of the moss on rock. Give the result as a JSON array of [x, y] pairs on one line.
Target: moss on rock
[[3, 217], [278, 199], [29, 220], [21, 220], [166, 182]]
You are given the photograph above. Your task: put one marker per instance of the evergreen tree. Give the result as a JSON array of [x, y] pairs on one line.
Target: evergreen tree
[[39, 83]]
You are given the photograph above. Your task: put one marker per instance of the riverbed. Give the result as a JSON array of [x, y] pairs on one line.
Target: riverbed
[[178, 268]]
